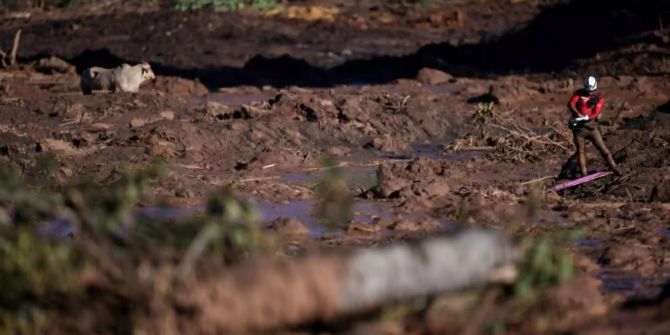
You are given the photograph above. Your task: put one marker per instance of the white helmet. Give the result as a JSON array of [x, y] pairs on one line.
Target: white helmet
[[590, 83]]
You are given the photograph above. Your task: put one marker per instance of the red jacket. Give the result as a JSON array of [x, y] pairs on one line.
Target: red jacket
[[587, 104]]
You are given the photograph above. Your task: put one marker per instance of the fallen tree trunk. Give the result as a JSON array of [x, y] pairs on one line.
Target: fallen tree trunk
[[268, 295]]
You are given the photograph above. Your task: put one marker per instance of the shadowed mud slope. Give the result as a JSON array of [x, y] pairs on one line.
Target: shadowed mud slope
[[229, 50]]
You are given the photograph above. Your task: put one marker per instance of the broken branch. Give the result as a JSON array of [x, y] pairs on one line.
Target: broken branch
[[15, 48]]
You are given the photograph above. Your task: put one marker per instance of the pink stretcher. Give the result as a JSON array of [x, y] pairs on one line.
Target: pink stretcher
[[581, 180]]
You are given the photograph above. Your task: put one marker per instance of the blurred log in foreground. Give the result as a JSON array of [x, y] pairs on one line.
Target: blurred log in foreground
[[268, 295]]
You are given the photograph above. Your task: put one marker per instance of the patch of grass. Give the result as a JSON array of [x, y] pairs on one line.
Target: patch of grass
[[546, 263], [32, 267], [224, 5]]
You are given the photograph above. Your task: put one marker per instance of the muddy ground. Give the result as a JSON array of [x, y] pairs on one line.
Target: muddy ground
[[251, 102]]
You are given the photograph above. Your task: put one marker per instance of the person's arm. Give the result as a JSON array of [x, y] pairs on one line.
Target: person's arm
[[598, 108], [572, 106]]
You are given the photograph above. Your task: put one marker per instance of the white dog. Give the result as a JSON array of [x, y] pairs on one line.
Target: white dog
[[124, 78]]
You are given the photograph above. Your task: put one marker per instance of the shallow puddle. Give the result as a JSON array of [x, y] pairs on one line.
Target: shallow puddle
[[436, 151], [589, 243], [632, 284], [355, 176], [302, 210], [55, 227], [618, 281], [168, 213]]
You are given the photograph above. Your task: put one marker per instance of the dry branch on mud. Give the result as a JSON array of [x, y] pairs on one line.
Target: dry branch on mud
[[519, 143], [510, 140]]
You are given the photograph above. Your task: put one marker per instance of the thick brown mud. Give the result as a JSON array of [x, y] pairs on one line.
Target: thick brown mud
[[253, 103]]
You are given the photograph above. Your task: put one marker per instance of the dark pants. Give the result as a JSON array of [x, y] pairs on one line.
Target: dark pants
[[592, 133]]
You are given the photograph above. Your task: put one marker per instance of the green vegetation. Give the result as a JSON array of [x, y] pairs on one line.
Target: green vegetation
[[44, 275], [224, 5], [334, 209], [546, 263]]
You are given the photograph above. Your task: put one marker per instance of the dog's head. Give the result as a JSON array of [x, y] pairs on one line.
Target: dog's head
[[147, 73]]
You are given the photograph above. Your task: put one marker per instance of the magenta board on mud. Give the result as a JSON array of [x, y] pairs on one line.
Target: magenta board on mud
[[581, 180]]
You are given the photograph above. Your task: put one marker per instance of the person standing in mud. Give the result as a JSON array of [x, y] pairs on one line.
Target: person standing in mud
[[585, 106]]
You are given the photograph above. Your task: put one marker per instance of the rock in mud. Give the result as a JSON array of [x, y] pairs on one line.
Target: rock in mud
[[390, 187], [419, 182], [432, 76], [436, 188]]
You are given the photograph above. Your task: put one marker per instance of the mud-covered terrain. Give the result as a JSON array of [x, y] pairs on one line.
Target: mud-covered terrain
[[397, 95]]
